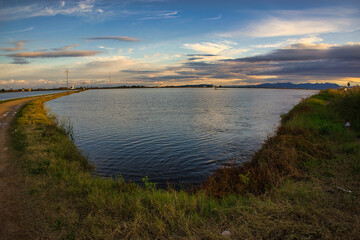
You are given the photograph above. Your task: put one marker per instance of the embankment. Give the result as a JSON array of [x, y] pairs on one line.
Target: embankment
[[303, 184]]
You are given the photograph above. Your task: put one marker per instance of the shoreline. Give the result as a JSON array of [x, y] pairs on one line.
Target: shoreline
[[61, 189]]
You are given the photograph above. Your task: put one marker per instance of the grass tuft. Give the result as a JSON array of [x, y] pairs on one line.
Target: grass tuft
[[291, 189]]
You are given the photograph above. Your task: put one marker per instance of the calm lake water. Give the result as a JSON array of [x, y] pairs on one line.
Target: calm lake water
[[12, 95], [172, 135]]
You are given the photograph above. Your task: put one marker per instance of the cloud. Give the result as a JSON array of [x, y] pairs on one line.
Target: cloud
[[19, 31], [304, 52], [107, 48], [305, 40], [306, 22], [161, 15], [54, 54], [18, 46], [78, 8], [93, 70], [66, 48], [121, 38], [274, 27], [214, 18], [19, 60], [296, 63], [208, 47], [215, 51]]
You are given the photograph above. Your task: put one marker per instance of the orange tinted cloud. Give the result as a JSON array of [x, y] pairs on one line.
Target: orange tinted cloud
[[18, 46], [122, 38], [55, 54]]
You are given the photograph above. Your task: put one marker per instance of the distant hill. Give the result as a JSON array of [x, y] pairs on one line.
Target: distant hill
[[316, 86], [192, 86]]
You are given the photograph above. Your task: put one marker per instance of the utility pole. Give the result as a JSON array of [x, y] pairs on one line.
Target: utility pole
[[67, 79], [109, 78]]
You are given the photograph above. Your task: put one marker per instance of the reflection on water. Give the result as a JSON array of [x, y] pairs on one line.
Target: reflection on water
[[12, 95], [172, 135]]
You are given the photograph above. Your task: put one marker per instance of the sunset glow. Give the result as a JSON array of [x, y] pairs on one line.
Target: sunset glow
[[169, 42]]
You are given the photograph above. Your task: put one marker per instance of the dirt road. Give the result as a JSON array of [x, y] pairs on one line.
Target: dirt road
[[12, 221]]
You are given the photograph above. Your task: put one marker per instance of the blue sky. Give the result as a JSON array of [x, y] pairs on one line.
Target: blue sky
[[169, 42]]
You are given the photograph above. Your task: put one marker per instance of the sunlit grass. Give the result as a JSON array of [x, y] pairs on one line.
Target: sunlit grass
[[288, 190]]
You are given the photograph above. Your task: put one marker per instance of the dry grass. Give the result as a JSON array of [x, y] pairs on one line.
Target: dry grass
[[288, 191]]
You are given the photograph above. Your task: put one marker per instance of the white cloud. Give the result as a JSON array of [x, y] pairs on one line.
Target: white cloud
[[107, 48], [84, 7], [214, 18], [353, 43], [224, 49], [307, 22], [19, 31], [208, 47], [161, 15], [305, 40], [274, 27]]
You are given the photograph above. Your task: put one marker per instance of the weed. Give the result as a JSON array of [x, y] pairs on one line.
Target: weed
[[148, 185], [287, 191]]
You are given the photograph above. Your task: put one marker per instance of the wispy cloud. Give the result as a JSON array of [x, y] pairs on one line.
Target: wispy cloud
[[18, 46], [214, 18], [161, 15], [217, 50], [122, 38], [107, 48], [305, 40], [274, 27], [307, 22], [21, 61], [75, 8], [208, 47], [66, 48], [54, 54], [19, 31]]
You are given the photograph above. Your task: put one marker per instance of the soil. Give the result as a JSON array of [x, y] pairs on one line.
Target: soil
[[12, 210]]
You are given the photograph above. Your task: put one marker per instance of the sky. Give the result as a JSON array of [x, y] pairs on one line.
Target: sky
[[178, 42]]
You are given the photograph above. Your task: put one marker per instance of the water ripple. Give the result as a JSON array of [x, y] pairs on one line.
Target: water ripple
[[172, 135]]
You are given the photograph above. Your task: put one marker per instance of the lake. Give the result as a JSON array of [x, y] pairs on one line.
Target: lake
[[173, 135]]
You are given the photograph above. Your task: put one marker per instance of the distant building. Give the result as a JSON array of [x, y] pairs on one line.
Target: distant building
[[72, 87], [29, 89]]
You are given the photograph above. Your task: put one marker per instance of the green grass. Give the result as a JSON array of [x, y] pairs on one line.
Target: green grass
[[288, 190]]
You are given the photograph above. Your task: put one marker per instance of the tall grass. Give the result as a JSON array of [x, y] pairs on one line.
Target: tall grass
[[288, 190]]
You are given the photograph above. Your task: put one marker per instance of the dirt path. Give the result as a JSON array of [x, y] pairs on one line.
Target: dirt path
[[12, 222]]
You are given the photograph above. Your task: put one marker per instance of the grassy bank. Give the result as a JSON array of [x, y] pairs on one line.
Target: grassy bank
[[303, 184]]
